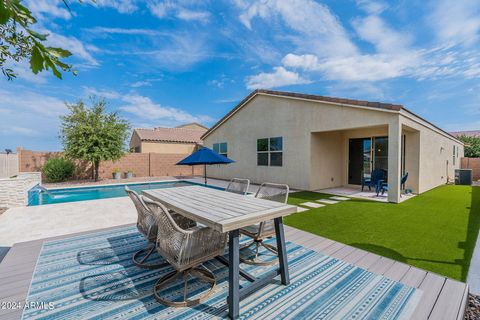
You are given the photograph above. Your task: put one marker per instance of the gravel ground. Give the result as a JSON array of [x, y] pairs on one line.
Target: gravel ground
[[473, 308]]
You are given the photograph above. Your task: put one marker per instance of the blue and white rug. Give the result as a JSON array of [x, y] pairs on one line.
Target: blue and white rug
[[93, 277]]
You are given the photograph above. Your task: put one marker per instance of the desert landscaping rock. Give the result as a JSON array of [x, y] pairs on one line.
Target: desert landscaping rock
[[473, 308]]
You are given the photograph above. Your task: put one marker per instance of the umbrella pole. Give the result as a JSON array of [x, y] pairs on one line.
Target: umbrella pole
[[205, 172]]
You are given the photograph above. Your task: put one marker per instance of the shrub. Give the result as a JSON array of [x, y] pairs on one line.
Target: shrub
[[58, 169]]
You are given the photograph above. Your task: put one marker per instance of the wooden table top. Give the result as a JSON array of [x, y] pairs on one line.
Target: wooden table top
[[218, 209]]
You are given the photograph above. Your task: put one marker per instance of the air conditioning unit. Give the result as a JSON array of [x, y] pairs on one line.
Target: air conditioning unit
[[463, 176]]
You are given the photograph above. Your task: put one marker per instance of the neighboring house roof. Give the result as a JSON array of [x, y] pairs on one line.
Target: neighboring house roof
[[170, 135], [192, 125], [339, 101], [471, 133]]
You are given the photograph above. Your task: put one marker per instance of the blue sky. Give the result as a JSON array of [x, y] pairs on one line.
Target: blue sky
[[164, 63]]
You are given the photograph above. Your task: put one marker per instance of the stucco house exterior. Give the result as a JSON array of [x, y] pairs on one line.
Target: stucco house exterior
[[314, 142], [183, 139]]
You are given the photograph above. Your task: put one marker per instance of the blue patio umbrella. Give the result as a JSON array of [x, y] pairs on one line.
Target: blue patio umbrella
[[204, 156]]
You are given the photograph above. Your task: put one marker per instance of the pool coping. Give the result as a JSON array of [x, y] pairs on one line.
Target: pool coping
[[114, 184]]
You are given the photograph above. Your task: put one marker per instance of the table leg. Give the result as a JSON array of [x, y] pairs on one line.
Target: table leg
[[282, 252], [233, 274]]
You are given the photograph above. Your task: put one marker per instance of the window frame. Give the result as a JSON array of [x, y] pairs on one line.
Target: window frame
[[219, 149], [269, 152]]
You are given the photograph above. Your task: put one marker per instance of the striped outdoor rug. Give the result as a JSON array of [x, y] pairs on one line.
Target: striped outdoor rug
[[92, 276]]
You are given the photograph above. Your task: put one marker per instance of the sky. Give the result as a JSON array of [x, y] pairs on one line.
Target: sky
[[165, 63]]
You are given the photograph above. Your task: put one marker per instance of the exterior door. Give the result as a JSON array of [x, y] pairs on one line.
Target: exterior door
[[355, 161], [359, 159]]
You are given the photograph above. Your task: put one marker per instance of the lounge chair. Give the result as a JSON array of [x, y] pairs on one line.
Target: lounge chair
[[239, 186], [147, 225], [261, 231], [373, 180], [185, 250], [384, 186]]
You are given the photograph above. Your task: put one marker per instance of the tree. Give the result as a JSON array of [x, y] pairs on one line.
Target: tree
[[92, 134], [18, 41], [472, 146]]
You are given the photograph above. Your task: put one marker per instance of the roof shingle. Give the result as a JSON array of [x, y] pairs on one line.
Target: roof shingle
[[170, 135]]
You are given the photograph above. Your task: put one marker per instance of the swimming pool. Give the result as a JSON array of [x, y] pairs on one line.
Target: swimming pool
[[40, 196]]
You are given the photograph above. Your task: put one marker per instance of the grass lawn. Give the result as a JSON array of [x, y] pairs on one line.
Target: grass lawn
[[435, 231]]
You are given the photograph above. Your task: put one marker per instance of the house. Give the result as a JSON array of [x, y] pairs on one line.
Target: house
[[183, 139], [315, 142]]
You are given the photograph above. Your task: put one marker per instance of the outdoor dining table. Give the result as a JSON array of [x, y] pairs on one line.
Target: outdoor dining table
[[228, 212]]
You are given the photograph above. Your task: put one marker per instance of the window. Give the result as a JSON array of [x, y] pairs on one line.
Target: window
[[270, 152], [221, 148], [453, 155]]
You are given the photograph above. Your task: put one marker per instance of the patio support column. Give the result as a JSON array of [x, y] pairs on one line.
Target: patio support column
[[394, 159]]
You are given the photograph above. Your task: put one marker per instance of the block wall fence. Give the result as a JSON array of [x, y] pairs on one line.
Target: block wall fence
[[474, 164], [141, 164]]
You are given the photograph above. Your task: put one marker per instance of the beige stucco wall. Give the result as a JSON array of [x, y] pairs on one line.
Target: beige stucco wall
[[436, 165], [295, 120], [135, 142], [315, 143], [160, 147]]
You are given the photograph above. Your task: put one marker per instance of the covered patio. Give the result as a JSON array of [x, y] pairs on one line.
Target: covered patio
[[342, 159]]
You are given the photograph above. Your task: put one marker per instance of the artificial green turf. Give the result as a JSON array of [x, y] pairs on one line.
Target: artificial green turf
[[436, 230]]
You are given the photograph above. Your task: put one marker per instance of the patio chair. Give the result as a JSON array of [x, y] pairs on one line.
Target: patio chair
[[239, 186], [373, 181], [384, 186], [185, 250], [147, 225], [260, 232]]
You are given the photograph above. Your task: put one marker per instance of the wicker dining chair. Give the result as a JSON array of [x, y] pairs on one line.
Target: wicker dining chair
[[263, 230], [147, 225], [185, 250], [239, 186]]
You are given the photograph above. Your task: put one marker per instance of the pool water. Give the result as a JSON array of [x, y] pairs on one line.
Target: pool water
[[39, 196]]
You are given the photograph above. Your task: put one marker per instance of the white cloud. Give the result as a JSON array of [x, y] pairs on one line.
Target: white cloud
[[122, 6], [16, 130], [355, 68], [139, 84], [372, 7], [145, 108], [132, 31], [280, 77], [317, 29], [386, 40], [183, 10], [191, 15], [456, 21], [52, 8], [72, 44], [102, 93], [181, 51], [39, 104]]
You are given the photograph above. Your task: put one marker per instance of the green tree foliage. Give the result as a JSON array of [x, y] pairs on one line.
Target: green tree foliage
[[92, 134], [472, 146], [58, 169], [18, 41]]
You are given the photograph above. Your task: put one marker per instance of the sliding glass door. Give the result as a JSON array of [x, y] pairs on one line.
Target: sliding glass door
[[359, 162], [366, 155]]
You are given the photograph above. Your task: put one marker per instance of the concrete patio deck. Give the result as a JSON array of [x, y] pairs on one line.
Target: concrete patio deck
[[38, 222], [355, 192]]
